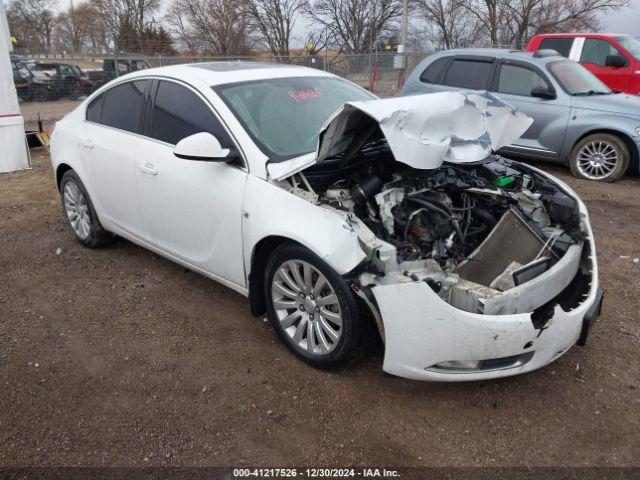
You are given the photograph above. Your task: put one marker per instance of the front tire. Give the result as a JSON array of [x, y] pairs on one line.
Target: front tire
[[312, 307], [600, 157], [81, 214]]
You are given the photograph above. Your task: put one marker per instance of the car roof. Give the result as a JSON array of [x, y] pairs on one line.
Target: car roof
[[500, 53], [219, 73]]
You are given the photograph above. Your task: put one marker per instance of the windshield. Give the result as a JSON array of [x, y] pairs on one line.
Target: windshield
[[576, 79], [631, 45], [284, 115]]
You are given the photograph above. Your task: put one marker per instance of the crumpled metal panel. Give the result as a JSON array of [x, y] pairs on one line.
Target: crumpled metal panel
[[423, 131]]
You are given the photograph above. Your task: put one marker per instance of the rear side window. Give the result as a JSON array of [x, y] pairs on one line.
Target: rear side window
[[471, 74], [560, 45], [94, 110], [596, 51], [432, 73], [178, 112], [517, 80], [123, 105]]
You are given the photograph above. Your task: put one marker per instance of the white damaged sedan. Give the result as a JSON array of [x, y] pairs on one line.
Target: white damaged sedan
[[330, 208]]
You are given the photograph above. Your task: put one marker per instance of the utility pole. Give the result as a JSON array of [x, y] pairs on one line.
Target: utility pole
[[400, 60], [405, 22]]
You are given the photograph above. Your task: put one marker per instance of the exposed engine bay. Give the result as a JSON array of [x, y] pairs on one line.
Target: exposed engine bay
[[473, 232]]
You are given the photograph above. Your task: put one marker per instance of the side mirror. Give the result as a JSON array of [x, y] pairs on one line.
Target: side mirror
[[543, 92], [201, 146], [616, 61]]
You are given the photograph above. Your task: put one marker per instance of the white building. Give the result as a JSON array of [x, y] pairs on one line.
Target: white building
[[13, 147]]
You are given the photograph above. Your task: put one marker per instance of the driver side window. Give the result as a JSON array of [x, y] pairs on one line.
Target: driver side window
[[517, 80], [596, 51], [178, 113]]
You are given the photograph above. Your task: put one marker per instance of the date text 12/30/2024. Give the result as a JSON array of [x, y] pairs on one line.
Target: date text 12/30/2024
[[315, 473]]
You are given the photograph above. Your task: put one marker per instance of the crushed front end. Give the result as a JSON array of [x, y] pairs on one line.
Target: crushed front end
[[475, 271], [476, 268]]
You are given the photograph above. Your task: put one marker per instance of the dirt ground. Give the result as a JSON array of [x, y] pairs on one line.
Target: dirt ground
[[120, 357]]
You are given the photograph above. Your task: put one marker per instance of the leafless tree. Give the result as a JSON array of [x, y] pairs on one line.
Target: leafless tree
[[73, 27], [32, 22], [355, 25], [465, 23], [528, 17], [316, 41], [273, 21], [211, 27], [129, 17], [453, 26]]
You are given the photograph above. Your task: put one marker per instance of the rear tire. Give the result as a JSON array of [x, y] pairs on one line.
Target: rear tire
[[313, 310], [81, 214], [600, 157]]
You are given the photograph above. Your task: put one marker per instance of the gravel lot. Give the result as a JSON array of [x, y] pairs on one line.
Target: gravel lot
[[119, 357]]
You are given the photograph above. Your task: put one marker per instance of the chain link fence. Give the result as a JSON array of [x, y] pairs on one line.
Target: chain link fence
[[51, 85]]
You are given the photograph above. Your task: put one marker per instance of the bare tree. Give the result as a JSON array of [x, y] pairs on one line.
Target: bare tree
[[355, 25], [273, 20], [529, 17], [74, 25], [127, 18], [462, 23], [32, 22], [213, 27], [316, 41], [454, 26]]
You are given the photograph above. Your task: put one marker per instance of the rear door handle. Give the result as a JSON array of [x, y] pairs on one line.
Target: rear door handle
[[87, 143], [147, 168]]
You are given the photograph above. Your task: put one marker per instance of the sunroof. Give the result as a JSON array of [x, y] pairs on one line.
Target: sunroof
[[229, 66]]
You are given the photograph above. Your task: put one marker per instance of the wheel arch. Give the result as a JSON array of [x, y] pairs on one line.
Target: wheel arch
[[259, 256], [634, 162], [60, 171]]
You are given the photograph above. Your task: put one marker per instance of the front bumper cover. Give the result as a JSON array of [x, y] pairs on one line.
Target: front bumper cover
[[422, 332]]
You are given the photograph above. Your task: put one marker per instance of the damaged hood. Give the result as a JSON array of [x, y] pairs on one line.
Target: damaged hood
[[422, 131]]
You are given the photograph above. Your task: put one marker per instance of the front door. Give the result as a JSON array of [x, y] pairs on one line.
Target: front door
[[545, 136], [192, 209], [593, 57]]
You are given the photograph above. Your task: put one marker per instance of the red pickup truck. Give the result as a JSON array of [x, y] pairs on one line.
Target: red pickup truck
[[614, 59]]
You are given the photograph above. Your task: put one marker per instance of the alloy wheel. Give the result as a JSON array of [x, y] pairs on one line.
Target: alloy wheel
[[77, 210], [597, 159], [307, 307]]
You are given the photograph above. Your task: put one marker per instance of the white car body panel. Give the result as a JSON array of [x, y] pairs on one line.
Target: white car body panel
[[193, 211], [210, 216], [323, 231]]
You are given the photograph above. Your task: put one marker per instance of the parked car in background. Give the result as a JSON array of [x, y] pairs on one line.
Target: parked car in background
[[614, 59], [69, 80], [335, 212], [576, 118], [32, 84], [114, 68]]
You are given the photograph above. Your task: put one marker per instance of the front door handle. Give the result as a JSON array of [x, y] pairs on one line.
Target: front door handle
[[147, 168], [87, 143]]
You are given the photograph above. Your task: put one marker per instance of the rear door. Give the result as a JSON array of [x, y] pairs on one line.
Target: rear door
[[192, 209], [109, 140], [593, 57], [544, 138]]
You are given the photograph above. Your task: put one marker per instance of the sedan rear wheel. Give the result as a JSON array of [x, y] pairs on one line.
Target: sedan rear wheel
[[311, 307], [79, 210], [600, 157]]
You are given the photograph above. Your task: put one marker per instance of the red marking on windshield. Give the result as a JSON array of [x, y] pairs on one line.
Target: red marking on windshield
[[304, 95]]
